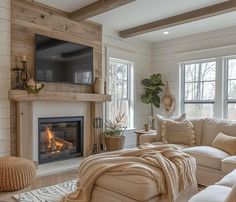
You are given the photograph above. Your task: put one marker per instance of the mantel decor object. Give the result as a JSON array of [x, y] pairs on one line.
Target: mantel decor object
[[98, 86], [21, 74], [34, 87], [17, 71]]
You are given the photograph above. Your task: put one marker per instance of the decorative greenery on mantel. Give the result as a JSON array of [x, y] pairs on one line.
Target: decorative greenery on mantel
[[153, 87]]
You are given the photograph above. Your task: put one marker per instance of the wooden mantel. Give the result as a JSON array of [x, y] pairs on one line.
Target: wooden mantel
[[24, 96]]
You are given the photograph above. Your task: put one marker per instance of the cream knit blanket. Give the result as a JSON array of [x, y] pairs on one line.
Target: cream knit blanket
[[171, 169]]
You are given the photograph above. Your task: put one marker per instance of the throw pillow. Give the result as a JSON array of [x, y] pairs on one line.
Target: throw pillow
[[197, 127], [178, 132], [225, 142], [160, 120]]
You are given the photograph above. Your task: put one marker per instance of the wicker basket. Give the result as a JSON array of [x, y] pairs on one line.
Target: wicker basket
[[115, 143]]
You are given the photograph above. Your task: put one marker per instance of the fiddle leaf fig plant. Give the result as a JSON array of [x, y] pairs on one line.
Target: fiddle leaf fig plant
[[153, 87]]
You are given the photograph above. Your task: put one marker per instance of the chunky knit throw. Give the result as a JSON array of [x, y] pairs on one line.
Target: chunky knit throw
[[171, 169]]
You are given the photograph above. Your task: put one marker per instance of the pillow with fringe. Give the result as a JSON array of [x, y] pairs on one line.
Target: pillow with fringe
[[178, 132], [159, 121]]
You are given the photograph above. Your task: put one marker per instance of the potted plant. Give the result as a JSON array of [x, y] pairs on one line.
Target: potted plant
[[114, 134], [153, 87]]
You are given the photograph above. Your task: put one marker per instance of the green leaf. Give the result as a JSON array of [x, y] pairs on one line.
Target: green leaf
[[145, 82], [153, 86], [146, 99]]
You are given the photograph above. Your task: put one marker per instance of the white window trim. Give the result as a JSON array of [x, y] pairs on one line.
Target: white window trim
[[226, 99], [182, 88], [130, 89], [221, 93]]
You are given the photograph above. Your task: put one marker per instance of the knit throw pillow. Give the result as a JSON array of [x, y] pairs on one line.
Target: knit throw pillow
[[178, 132], [160, 120]]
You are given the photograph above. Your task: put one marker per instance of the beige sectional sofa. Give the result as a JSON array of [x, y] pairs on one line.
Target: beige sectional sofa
[[133, 188], [224, 190], [212, 163]]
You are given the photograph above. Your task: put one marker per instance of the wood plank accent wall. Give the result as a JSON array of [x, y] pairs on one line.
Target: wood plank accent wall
[[29, 18]]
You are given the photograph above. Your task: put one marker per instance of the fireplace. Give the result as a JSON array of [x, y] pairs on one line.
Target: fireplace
[[60, 138]]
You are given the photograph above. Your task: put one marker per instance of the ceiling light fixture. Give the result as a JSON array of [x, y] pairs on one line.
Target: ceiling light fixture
[[165, 33]]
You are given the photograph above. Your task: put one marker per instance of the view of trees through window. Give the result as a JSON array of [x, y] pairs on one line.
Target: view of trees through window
[[119, 88], [199, 88], [231, 97]]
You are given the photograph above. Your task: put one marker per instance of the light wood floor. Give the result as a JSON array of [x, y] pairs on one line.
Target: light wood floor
[[41, 182]]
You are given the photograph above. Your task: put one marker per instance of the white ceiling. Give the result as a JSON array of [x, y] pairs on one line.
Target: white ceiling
[[67, 5], [143, 11]]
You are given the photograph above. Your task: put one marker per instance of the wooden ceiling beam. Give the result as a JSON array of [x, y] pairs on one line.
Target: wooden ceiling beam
[[97, 8], [191, 16]]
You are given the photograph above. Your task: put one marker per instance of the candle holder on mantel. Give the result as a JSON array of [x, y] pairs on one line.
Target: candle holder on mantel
[[24, 75], [21, 74], [18, 71]]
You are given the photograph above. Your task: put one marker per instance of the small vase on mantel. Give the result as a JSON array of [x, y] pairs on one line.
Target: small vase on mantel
[[98, 86]]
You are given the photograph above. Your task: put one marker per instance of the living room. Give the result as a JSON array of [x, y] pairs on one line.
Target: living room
[[79, 79]]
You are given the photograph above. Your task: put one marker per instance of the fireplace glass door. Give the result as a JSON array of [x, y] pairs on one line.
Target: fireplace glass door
[[60, 138]]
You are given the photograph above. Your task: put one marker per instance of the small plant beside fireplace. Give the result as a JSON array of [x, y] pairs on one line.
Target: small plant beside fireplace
[[114, 133]]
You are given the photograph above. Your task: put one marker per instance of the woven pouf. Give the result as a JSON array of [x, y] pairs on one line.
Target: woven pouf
[[16, 173]]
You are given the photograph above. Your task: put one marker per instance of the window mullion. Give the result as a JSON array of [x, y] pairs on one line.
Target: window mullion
[[199, 82]]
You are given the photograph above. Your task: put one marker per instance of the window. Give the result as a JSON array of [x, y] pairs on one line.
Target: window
[[120, 88], [198, 88], [231, 88]]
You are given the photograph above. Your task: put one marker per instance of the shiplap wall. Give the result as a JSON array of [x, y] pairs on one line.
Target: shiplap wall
[[139, 53], [167, 55], [4, 77]]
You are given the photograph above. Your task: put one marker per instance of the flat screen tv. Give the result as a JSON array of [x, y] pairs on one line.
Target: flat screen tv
[[61, 61]]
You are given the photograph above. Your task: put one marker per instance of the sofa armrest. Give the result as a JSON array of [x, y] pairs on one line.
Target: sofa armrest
[[228, 164], [147, 138]]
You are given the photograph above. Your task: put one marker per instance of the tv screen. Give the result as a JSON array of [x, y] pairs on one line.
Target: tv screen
[[62, 61]]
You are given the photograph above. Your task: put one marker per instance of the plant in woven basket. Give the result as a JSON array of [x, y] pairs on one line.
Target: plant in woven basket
[[114, 133]]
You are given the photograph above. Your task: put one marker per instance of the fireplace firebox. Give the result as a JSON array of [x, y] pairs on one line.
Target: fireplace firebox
[[60, 138]]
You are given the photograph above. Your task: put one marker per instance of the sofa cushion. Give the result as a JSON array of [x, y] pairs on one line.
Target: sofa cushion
[[181, 146], [137, 187], [225, 142], [229, 180], [213, 193], [212, 127], [232, 195], [178, 132], [207, 156], [197, 127], [159, 120], [229, 164]]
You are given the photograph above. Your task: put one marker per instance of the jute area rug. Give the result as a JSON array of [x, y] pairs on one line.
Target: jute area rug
[[48, 194]]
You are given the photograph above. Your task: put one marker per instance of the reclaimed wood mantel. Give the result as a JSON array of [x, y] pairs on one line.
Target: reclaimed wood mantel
[[29, 107], [24, 96]]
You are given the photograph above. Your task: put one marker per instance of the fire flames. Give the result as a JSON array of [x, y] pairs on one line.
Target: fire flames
[[53, 145], [58, 145]]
